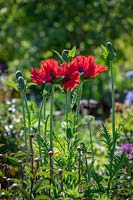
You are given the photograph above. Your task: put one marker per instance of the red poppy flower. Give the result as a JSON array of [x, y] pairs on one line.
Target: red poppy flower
[[87, 66], [71, 76], [79, 63], [48, 72], [91, 69], [68, 69], [71, 81]]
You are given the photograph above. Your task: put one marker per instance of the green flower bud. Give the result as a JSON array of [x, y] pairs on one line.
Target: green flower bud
[[18, 74], [65, 53], [110, 49], [21, 84]]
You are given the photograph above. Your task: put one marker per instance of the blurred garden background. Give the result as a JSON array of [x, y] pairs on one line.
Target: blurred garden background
[[32, 30]]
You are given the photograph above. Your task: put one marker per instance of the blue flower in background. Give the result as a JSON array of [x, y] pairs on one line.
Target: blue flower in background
[[129, 74], [129, 97]]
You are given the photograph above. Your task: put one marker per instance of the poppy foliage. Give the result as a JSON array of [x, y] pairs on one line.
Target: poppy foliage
[[69, 73]]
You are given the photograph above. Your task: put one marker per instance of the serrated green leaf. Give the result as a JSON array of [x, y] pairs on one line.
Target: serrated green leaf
[[12, 160], [105, 52], [19, 154], [38, 184], [24, 193]]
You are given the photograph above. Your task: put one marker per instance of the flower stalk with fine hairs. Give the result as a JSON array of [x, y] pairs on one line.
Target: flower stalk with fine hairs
[[90, 119], [51, 116], [39, 129], [60, 171], [110, 58], [79, 168], [32, 166], [51, 170], [22, 89]]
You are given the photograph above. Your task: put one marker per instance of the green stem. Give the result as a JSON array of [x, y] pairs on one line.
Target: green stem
[[113, 123], [44, 117], [68, 104], [51, 117], [113, 100], [28, 114], [39, 130], [78, 101], [24, 120], [91, 143]]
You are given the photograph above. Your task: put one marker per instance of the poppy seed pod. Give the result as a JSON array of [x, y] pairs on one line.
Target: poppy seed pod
[[60, 171], [3, 195], [50, 153], [14, 186], [37, 159], [78, 148], [21, 83]]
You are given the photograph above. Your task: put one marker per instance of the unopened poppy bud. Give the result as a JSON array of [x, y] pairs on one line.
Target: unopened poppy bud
[[14, 186], [65, 51], [110, 50], [21, 83], [18, 74], [109, 46]]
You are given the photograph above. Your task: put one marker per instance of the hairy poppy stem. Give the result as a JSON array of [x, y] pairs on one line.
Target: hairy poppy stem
[[51, 117], [110, 59], [32, 166], [51, 170], [22, 91], [28, 114], [24, 120], [68, 102], [39, 130], [60, 171], [113, 100], [91, 142], [79, 166], [78, 100]]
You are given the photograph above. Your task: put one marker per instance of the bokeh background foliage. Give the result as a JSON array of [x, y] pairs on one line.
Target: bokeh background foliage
[[30, 29]]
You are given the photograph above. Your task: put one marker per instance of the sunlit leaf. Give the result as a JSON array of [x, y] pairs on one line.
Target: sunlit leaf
[[72, 52], [12, 84]]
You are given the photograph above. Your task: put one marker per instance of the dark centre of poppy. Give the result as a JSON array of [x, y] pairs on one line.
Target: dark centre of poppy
[[52, 74], [80, 69], [65, 79]]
